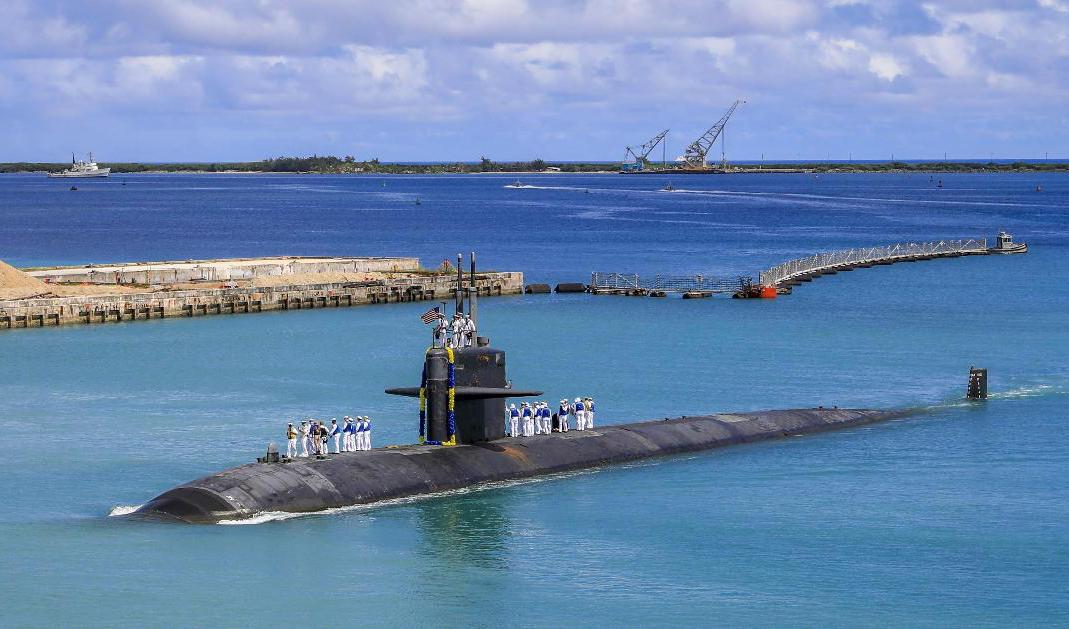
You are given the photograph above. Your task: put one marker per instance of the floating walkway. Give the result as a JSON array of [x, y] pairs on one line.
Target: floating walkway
[[782, 277], [690, 286], [794, 272]]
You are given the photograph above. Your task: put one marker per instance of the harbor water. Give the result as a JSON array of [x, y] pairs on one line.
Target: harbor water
[[956, 515]]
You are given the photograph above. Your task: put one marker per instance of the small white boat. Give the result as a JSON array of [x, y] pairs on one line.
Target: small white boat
[[82, 169], [517, 184]]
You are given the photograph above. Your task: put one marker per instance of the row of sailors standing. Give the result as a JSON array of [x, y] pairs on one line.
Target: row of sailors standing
[[460, 333], [536, 419], [315, 436]]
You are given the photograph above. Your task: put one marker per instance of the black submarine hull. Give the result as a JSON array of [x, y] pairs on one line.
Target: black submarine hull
[[356, 478]]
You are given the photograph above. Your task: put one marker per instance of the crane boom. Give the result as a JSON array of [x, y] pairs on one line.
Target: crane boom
[[635, 157], [696, 153]]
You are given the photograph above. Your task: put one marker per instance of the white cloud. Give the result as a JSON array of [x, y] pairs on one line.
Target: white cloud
[[886, 67]]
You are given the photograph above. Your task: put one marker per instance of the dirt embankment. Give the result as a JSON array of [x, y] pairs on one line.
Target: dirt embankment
[[14, 284]]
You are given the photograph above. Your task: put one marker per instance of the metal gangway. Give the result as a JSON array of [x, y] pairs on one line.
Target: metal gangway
[[634, 284], [817, 264]]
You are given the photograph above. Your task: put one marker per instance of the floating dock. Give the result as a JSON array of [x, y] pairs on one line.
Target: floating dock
[[190, 288], [780, 279]]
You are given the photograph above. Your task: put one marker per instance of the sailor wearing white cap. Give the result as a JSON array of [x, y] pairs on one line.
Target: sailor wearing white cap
[[579, 409], [589, 412], [528, 419], [562, 415], [346, 435], [335, 432], [547, 419], [303, 433], [514, 420]]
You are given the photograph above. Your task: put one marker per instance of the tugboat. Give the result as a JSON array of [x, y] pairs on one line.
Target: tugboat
[[1004, 244], [82, 169]]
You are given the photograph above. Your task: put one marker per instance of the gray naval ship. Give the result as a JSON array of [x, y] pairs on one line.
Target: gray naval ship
[[464, 445]]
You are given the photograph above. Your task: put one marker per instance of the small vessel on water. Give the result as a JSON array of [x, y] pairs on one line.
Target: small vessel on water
[[668, 188], [1004, 244], [516, 184], [82, 169]]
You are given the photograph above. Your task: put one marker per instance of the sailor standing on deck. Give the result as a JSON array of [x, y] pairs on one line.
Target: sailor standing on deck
[[457, 330], [335, 431], [367, 432], [441, 331], [359, 432], [579, 410], [514, 420], [469, 331], [303, 432], [350, 436], [547, 419], [291, 441], [589, 412], [528, 419], [562, 415]]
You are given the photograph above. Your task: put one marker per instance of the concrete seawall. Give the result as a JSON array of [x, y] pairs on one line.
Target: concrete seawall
[[161, 302], [307, 485]]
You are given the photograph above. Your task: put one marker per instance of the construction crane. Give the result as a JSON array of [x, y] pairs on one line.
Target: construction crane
[[635, 157], [696, 153]]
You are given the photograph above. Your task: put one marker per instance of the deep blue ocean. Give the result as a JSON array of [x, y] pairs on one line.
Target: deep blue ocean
[[957, 515]]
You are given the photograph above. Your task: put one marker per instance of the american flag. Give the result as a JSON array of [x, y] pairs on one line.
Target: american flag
[[431, 315]]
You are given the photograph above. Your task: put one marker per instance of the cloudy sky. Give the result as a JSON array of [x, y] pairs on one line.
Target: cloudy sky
[[173, 80]]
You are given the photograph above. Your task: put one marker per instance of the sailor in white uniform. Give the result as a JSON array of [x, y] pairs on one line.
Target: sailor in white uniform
[[365, 440], [562, 415], [335, 432], [457, 330], [291, 441], [589, 412], [547, 419], [358, 432], [528, 420], [441, 332], [468, 330], [514, 420], [536, 410], [579, 409], [347, 435], [303, 433]]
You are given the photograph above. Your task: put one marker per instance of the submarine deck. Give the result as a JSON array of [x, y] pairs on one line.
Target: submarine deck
[[347, 479]]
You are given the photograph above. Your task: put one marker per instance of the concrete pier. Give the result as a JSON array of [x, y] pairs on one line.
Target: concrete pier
[[215, 287]]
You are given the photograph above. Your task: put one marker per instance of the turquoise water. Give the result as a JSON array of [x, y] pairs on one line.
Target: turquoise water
[[956, 515]]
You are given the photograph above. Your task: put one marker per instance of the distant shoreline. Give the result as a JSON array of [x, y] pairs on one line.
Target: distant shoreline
[[349, 166]]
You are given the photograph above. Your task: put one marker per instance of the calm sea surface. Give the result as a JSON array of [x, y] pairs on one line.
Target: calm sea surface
[[958, 515]]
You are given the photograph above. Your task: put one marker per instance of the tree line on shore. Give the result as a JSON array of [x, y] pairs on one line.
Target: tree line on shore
[[329, 164]]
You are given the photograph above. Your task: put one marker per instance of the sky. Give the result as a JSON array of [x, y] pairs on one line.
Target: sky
[[438, 80]]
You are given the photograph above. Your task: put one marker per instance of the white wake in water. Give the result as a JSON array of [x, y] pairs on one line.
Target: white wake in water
[[122, 510]]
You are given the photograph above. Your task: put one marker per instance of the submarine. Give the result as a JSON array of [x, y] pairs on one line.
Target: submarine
[[462, 443]]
